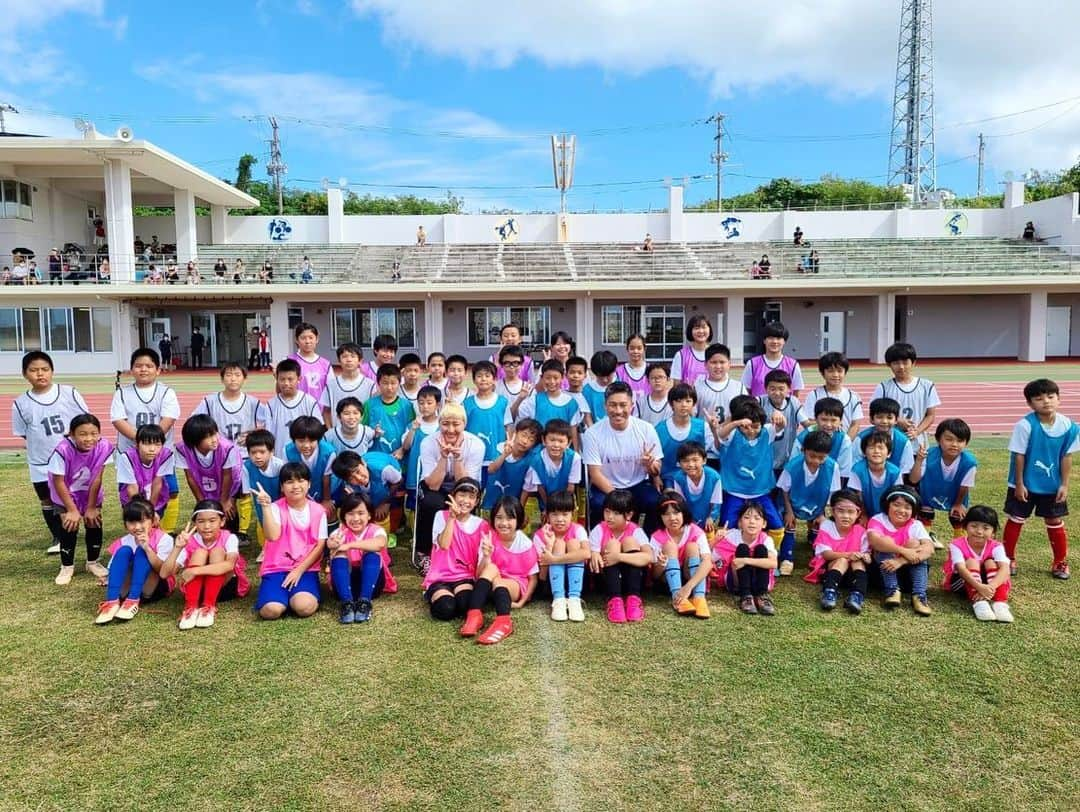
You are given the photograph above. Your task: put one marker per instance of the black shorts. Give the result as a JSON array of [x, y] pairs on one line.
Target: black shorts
[[161, 591], [1042, 503], [42, 491], [451, 586]]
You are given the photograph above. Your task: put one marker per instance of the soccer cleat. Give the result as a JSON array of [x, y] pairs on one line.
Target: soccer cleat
[[363, 611], [921, 607], [560, 609], [747, 606], [205, 618], [259, 557], [765, 606], [635, 609], [892, 600], [63, 578], [982, 610], [242, 540], [187, 619], [701, 607], [1013, 569], [128, 609], [854, 603], [1002, 613], [616, 610], [1060, 570], [574, 610], [828, 599], [684, 607], [106, 612], [53, 549], [501, 628], [934, 540], [474, 619], [95, 569], [346, 613], [787, 567]]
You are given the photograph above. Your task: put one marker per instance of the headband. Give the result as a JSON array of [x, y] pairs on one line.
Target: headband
[[207, 510], [667, 502], [903, 494]]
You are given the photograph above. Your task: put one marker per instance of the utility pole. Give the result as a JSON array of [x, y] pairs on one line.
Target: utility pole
[[5, 108], [718, 157], [275, 168], [982, 156]]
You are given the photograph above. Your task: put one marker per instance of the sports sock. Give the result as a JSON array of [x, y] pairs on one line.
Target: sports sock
[[213, 586], [140, 571], [480, 593], [613, 580], [699, 588], [557, 580], [94, 537], [787, 546], [192, 590], [118, 570], [858, 578], [370, 567], [673, 575], [340, 577], [777, 536], [1010, 536], [831, 580], [632, 577], [575, 579], [52, 521], [1059, 542], [501, 598]]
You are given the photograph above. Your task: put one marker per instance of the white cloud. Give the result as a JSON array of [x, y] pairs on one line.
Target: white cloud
[[991, 58], [23, 15]]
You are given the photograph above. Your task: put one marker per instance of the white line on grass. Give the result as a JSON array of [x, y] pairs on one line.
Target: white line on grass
[[565, 789]]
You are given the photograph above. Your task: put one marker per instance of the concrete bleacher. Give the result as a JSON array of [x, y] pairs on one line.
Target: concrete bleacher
[[507, 263]]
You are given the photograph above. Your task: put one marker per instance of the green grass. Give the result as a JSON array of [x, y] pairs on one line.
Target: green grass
[[802, 710]]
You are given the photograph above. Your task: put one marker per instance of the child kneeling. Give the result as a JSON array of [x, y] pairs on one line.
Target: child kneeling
[[979, 566], [135, 566], [746, 559], [506, 573], [359, 563]]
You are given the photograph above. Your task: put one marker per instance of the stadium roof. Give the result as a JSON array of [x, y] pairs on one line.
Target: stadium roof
[[77, 165]]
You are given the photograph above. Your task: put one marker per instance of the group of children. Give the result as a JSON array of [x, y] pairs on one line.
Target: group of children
[[322, 472]]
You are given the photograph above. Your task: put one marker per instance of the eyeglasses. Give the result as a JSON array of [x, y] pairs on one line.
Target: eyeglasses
[[511, 363]]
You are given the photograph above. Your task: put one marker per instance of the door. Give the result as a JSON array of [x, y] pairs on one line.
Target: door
[[206, 324], [1058, 333], [159, 328], [831, 332]]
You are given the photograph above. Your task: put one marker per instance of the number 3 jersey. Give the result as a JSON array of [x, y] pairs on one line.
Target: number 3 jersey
[[43, 420], [142, 406]]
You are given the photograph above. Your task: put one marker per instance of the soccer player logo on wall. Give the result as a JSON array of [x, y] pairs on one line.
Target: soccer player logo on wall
[[279, 229]]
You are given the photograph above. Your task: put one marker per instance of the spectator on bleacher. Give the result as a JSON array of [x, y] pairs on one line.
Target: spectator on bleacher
[[56, 267], [155, 246], [104, 270], [647, 245], [395, 271], [19, 271], [798, 235], [306, 272], [99, 232], [34, 275], [421, 236], [5, 275], [193, 277], [139, 244], [1029, 231], [219, 270], [153, 275], [147, 255], [238, 271], [814, 261], [172, 276], [266, 273], [765, 265], [757, 272]]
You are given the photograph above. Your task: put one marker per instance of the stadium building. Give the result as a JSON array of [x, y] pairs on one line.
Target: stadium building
[[956, 283]]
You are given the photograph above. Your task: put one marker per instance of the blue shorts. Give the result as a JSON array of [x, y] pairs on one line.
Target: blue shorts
[[733, 504], [174, 486], [271, 590]]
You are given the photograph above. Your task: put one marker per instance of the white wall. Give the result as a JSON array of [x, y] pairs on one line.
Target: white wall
[[165, 228], [305, 229], [58, 218]]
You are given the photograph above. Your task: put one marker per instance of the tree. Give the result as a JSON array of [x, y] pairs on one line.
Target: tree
[[830, 190], [243, 171]]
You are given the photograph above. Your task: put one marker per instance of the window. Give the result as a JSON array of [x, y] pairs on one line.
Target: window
[[662, 325], [485, 323], [296, 315], [82, 329], [16, 200], [361, 325]]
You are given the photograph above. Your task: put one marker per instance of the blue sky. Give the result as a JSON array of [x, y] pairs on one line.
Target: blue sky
[[461, 96]]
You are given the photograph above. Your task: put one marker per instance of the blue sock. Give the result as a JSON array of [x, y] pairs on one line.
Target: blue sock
[[557, 579], [340, 576], [699, 589], [575, 578], [118, 570], [140, 571], [787, 546], [673, 574], [370, 567]]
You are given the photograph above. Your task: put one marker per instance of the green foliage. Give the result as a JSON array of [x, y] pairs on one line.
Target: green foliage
[[984, 202], [828, 191], [243, 171], [1045, 184], [308, 201]]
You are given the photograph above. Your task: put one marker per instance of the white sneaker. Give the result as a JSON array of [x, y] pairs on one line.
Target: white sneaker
[[786, 567], [95, 569], [65, 576], [53, 549], [205, 618], [1002, 613], [259, 558], [982, 610], [559, 609], [188, 619], [574, 609]]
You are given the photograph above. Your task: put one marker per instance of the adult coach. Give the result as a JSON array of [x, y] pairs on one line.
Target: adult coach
[[198, 344], [622, 452], [450, 454]]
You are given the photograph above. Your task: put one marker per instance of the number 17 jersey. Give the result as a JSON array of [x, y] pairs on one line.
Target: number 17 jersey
[[43, 420]]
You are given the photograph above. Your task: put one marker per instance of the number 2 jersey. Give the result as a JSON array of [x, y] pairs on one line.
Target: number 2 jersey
[[142, 406], [43, 420]]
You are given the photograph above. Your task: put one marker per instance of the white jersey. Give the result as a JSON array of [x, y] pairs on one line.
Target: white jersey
[[43, 420], [650, 411], [853, 410], [714, 397], [337, 389], [916, 398], [233, 418], [361, 443], [511, 394], [144, 407], [276, 415]]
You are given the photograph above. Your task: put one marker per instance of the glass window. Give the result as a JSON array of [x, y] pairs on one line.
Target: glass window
[[102, 319], [477, 326], [26, 211], [31, 328], [662, 326], [296, 315], [363, 333], [9, 330], [9, 205], [58, 328], [84, 339], [343, 326], [486, 323], [406, 327]]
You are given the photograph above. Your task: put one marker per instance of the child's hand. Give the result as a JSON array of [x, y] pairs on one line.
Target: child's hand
[[413, 426], [890, 564], [985, 591], [526, 390], [1062, 493], [611, 556], [661, 559], [70, 520], [382, 511], [185, 576], [548, 535], [682, 594], [789, 521], [920, 452], [1020, 492], [261, 496], [486, 547], [710, 526], [958, 512], [596, 562], [778, 420], [335, 540], [230, 507], [378, 432], [92, 517], [293, 578]]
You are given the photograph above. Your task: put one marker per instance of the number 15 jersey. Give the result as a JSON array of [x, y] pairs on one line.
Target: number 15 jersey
[[43, 420]]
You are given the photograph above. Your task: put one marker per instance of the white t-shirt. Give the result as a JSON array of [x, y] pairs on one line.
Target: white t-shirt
[[520, 544], [532, 481], [361, 443], [232, 547], [273, 468], [528, 406], [337, 389], [999, 555], [472, 456], [715, 498], [703, 544], [652, 412], [828, 533], [856, 484], [1021, 434], [163, 547], [810, 477], [844, 460], [43, 420], [619, 452], [714, 397], [676, 363], [142, 406], [233, 417], [734, 536], [470, 524], [915, 529], [853, 410], [949, 472], [300, 518], [907, 456], [277, 415], [125, 472], [916, 398], [574, 533], [596, 540]]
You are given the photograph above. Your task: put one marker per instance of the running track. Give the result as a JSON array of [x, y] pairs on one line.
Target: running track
[[989, 408]]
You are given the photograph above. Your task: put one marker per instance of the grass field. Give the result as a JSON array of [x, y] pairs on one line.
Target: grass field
[[802, 710]]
